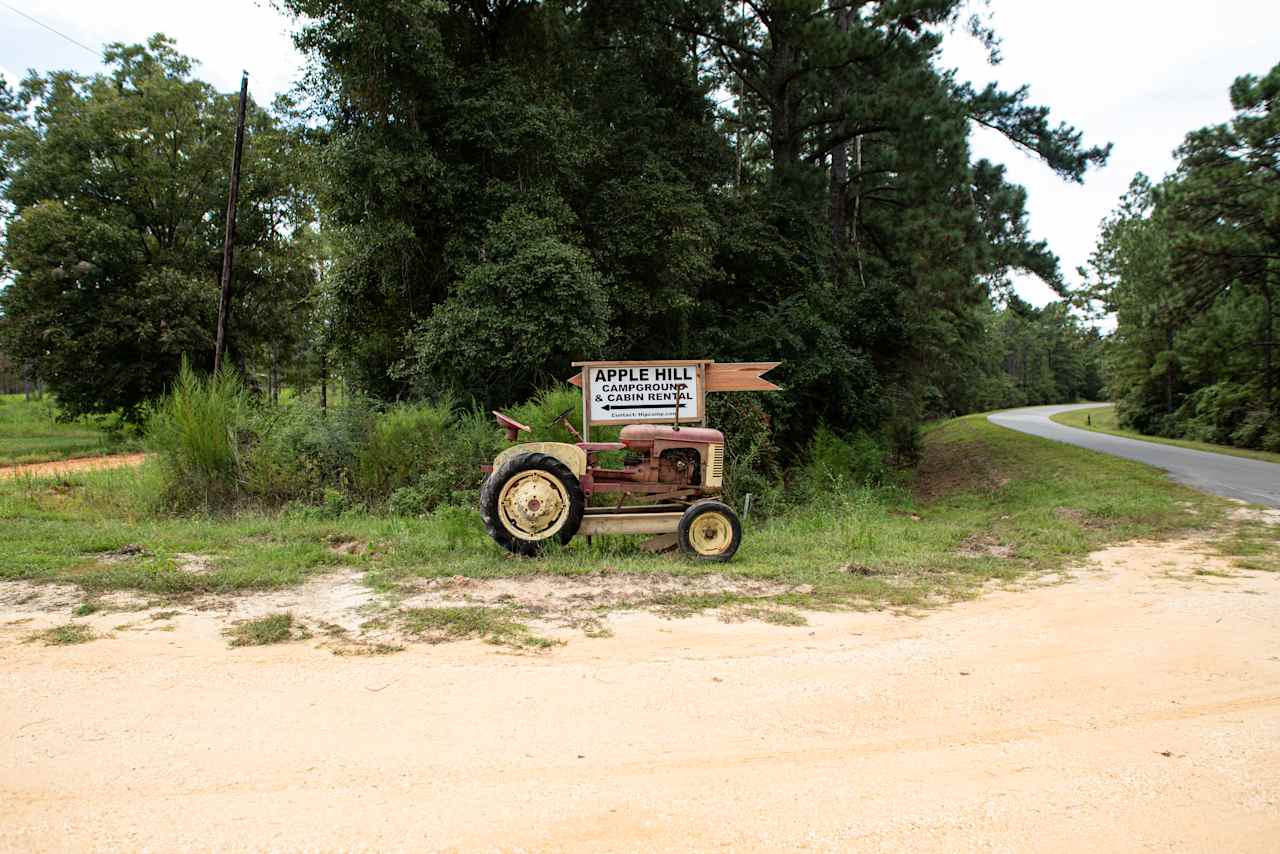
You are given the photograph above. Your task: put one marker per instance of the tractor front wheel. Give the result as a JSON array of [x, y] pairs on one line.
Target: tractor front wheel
[[530, 500], [709, 530]]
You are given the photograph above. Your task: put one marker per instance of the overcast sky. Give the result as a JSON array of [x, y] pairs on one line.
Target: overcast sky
[[1138, 73]]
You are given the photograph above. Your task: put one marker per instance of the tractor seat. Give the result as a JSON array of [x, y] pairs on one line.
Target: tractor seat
[[634, 435]]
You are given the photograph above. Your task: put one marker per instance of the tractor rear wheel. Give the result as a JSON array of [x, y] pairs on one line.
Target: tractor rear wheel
[[709, 530], [529, 500]]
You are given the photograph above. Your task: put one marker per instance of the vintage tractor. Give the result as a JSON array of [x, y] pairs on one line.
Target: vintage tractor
[[538, 491], [671, 473]]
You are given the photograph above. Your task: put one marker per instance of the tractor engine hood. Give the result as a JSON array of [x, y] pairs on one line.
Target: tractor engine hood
[[643, 435]]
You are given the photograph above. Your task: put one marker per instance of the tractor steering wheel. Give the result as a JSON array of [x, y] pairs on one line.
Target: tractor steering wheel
[[561, 417]]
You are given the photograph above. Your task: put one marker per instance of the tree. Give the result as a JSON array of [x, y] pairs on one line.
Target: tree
[[1225, 203], [828, 215], [118, 188], [1191, 268]]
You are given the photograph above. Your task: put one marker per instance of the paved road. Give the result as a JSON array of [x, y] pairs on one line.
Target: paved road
[[1234, 477]]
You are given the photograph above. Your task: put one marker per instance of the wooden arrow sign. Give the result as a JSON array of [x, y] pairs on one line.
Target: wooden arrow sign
[[728, 376], [740, 376]]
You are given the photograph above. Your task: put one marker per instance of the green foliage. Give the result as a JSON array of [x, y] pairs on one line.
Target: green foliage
[[298, 451], [1103, 420], [219, 449], [33, 430], [422, 456], [263, 631], [68, 634], [514, 320], [492, 625], [518, 185], [117, 187], [1046, 503], [834, 464], [1190, 267], [195, 429]]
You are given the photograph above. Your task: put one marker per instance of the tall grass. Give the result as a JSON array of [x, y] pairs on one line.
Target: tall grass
[[221, 449], [194, 428], [420, 456]]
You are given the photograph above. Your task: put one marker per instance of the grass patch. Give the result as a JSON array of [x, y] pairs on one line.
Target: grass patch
[[987, 505], [1252, 545], [773, 616], [360, 648], [30, 432], [1102, 419], [492, 625], [273, 628], [65, 635]]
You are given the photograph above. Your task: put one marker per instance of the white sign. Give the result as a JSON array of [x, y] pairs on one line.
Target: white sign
[[644, 393]]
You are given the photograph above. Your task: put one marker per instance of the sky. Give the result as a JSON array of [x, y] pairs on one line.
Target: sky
[[1136, 73]]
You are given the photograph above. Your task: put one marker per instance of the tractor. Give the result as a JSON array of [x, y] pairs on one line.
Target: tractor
[[539, 491]]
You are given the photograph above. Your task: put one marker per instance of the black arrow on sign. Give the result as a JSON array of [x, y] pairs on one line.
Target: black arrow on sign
[[608, 408]]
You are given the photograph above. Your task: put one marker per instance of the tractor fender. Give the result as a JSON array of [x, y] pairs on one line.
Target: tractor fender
[[574, 458]]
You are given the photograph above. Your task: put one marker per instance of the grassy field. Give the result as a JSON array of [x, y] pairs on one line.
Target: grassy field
[[987, 504], [31, 433], [1102, 419]]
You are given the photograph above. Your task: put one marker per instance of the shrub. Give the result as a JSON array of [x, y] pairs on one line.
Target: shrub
[[833, 463], [426, 455], [407, 501], [751, 456], [299, 451], [195, 431]]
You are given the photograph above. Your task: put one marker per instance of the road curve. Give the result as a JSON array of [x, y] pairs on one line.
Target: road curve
[[1254, 481]]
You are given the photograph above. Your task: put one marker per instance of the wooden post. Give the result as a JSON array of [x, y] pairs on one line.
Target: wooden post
[[228, 243]]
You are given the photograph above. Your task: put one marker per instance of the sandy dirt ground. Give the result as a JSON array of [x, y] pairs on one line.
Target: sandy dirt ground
[[1133, 706], [59, 467]]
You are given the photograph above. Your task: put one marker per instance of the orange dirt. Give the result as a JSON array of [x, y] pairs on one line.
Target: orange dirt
[[1134, 707], [57, 467]]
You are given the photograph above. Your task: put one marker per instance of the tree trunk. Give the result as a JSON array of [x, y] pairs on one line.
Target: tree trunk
[[1268, 346], [1168, 371], [840, 182]]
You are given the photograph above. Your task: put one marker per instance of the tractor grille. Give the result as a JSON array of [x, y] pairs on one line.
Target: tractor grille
[[715, 470]]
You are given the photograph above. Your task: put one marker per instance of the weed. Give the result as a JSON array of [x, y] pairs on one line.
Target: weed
[[164, 615], [64, 635], [274, 628], [362, 648], [194, 429], [1252, 545], [774, 616], [84, 609], [494, 626]]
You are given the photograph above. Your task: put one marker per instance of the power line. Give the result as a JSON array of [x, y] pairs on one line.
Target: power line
[[49, 28]]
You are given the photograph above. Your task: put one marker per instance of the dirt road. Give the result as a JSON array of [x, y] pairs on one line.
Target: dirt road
[[1133, 707], [58, 467]]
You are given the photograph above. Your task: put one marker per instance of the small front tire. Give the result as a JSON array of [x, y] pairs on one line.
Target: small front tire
[[709, 530]]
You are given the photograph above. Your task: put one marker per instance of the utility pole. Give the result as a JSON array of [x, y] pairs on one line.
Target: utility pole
[[228, 244]]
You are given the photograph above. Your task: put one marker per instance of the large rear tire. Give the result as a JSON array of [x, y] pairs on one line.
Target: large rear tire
[[530, 500]]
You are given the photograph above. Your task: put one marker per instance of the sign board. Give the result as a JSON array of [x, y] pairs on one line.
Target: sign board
[[639, 392], [646, 392]]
